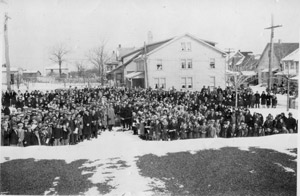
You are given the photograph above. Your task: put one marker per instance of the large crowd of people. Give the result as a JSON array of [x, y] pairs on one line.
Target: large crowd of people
[[69, 116]]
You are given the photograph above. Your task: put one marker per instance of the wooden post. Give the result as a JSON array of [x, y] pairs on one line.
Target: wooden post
[[8, 80], [271, 52], [288, 89], [146, 68]]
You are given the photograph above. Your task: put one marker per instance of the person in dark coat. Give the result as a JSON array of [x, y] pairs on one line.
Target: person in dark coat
[[27, 136], [35, 139], [5, 135], [94, 125], [268, 99], [274, 101], [257, 99], [291, 124], [7, 98], [87, 120], [263, 99], [57, 134], [13, 136], [13, 97]]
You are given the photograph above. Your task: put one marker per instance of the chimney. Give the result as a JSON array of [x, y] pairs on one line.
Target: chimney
[[279, 41], [150, 37], [119, 45]]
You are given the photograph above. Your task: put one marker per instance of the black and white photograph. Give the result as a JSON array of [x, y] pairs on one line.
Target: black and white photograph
[[149, 98]]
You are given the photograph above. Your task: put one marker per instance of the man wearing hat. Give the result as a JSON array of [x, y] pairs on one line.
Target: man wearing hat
[[13, 135], [291, 124]]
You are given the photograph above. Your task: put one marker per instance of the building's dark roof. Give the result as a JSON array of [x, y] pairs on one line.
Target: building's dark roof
[[248, 61], [124, 51], [281, 50]]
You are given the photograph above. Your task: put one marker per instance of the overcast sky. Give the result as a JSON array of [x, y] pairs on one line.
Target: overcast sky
[[38, 25]]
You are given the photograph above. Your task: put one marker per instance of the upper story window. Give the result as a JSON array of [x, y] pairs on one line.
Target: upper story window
[[139, 66], [183, 82], [292, 65], [188, 46], [183, 48], [186, 63], [189, 64], [212, 63], [159, 65], [189, 82], [286, 67], [183, 64]]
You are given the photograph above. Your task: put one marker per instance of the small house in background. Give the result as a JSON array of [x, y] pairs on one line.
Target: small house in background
[[53, 71], [14, 74], [280, 51], [289, 70], [31, 76], [245, 62]]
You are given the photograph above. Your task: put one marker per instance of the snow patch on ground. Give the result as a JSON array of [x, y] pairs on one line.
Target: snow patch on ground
[[287, 169], [114, 154]]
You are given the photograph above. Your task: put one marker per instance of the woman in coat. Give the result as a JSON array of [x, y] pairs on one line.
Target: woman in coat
[[263, 99], [87, 121]]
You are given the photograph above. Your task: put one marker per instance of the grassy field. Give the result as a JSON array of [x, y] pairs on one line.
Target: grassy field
[[30, 177], [227, 171]]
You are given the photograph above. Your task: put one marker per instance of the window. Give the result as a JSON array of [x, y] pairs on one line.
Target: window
[[188, 46], [182, 46], [212, 81], [212, 63], [286, 66], [140, 66], [297, 67], [156, 83], [159, 65], [183, 82], [159, 83], [183, 63], [163, 83], [292, 65], [189, 64], [186, 82], [189, 82]]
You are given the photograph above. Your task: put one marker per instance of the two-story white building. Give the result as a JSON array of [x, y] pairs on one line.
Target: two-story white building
[[183, 63]]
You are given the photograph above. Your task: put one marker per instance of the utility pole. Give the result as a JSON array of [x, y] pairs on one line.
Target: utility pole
[[288, 89], [7, 53], [272, 27], [145, 65], [228, 50]]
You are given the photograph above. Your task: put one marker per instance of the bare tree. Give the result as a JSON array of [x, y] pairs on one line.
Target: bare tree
[[57, 55], [98, 57]]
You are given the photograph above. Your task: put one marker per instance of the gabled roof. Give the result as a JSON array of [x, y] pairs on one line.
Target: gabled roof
[[153, 47], [281, 50], [126, 63], [56, 67], [31, 71], [294, 56], [207, 43], [124, 51], [149, 47], [246, 60]]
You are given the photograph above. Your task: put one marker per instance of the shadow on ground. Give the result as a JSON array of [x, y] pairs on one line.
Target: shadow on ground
[[30, 177], [226, 171]]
